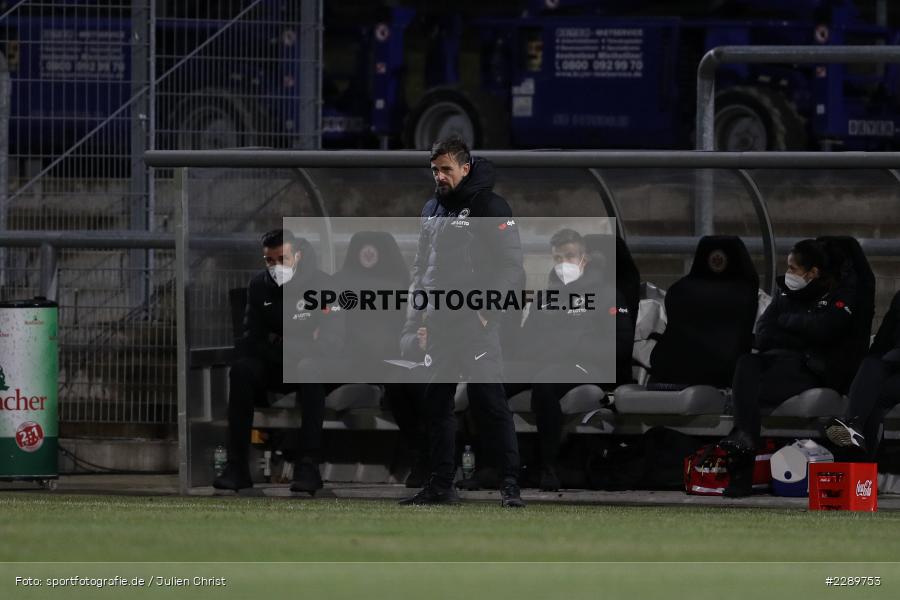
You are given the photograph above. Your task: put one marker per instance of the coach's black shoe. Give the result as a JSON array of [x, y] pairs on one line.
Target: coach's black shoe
[[234, 477], [844, 435], [432, 495], [549, 480], [510, 496], [306, 478]]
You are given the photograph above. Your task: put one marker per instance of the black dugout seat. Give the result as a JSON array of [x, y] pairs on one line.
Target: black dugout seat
[[849, 260], [373, 261], [711, 313]]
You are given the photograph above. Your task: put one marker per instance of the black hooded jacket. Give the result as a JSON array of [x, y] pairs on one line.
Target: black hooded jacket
[[310, 333], [580, 331], [815, 322], [468, 239]]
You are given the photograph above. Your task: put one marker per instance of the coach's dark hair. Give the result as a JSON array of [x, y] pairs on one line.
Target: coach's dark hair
[[811, 253], [455, 147], [567, 236], [277, 237]]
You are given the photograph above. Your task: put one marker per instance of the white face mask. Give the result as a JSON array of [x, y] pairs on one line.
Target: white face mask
[[567, 272], [281, 274], [794, 282]]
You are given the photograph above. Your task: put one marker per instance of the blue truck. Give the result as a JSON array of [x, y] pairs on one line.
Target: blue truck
[[580, 74], [551, 73]]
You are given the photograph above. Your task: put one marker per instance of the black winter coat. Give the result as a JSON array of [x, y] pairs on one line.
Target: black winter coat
[[580, 332], [469, 240], [815, 322], [311, 333]]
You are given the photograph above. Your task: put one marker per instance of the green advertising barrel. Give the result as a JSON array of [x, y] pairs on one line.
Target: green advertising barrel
[[29, 371]]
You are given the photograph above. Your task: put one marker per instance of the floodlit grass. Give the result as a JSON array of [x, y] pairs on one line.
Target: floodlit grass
[[51, 527]]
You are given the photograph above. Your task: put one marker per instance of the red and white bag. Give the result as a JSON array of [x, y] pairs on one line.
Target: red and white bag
[[706, 470]]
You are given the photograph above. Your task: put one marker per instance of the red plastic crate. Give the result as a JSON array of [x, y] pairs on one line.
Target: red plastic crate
[[843, 486]]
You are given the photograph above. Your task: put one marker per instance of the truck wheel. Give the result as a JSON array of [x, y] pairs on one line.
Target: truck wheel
[[212, 121], [439, 114], [752, 119]]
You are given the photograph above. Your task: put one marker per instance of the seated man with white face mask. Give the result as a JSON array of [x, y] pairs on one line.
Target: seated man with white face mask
[[577, 331], [259, 368]]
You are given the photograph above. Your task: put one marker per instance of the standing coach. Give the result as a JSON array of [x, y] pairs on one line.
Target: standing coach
[[468, 241]]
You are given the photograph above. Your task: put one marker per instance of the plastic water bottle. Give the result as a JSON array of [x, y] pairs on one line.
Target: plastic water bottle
[[468, 463], [220, 457]]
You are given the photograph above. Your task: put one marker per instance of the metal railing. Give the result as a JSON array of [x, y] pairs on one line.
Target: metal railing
[[706, 93], [706, 71], [118, 356], [184, 161]]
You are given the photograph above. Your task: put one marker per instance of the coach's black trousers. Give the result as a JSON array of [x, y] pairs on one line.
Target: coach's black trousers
[[473, 351]]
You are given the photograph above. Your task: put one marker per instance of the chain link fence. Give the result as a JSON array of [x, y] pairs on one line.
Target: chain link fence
[[86, 87]]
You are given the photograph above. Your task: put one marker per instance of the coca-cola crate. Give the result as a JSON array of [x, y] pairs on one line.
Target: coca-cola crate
[[843, 486]]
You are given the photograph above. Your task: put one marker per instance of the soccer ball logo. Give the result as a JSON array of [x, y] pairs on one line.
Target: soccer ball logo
[[348, 300]]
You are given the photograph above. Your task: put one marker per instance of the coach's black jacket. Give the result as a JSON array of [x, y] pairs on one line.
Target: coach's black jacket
[[469, 239], [815, 322], [310, 333]]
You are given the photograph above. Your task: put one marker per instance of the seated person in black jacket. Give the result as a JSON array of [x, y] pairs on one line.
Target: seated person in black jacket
[[800, 338], [874, 391], [259, 368], [573, 273]]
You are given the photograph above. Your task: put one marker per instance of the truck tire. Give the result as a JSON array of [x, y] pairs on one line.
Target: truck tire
[[212, 120], [439, 114], [756, 119]]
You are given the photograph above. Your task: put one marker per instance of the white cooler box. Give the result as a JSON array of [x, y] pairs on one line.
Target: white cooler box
[[790, 467]]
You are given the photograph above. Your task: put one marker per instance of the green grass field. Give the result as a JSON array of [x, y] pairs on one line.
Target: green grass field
[[476, 537]]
